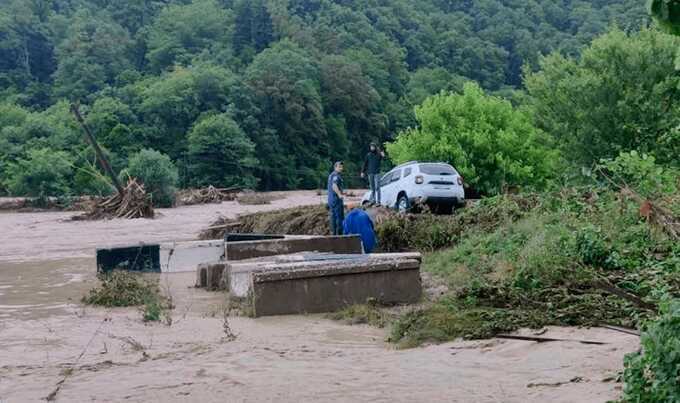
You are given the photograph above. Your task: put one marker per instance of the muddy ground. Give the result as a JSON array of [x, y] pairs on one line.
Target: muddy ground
[[48, 340]]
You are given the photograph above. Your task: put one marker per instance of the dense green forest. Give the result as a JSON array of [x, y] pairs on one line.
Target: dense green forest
[[266, 93]]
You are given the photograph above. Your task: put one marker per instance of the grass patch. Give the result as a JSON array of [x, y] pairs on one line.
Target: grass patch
[[370, 314], [124, 289]]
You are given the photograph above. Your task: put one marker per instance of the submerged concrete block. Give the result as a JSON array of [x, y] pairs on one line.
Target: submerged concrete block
[[308, 283], [211, 276], [328, 287], [253, 249], [178, 257], [133, 258]]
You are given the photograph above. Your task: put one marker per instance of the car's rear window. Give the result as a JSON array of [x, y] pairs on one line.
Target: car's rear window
[[437, 169]]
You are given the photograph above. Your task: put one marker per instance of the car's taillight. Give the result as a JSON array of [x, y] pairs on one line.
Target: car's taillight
[[460, 180], [419, 180]]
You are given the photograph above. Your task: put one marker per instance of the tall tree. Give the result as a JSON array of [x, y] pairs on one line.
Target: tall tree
[[621, 95]]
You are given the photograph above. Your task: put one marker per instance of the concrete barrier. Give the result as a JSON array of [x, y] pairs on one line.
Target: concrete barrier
[[273, 247], [173, 257], [328, 287]]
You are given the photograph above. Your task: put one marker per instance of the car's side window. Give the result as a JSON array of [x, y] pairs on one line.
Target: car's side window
[[407, 172], [386, 179], [396, 175]]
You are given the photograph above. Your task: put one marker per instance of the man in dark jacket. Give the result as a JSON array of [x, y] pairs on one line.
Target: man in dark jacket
[[372, 169]]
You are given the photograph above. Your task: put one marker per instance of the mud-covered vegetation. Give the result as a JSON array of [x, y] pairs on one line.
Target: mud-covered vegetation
[[125, 289]]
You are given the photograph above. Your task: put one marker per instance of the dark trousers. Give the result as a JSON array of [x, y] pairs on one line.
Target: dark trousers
[[337, 216]]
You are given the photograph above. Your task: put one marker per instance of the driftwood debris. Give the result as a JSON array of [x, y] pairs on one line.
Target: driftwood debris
[[133, 202], [207, 195], [544, 339]]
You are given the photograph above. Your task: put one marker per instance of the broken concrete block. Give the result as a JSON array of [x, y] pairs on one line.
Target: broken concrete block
[[210, 276], [253, 249]]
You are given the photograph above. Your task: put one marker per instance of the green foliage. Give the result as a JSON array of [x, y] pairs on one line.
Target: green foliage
[[91, 56], [221, 154], [621, 95], [292, 131], [542, 269], [158, 174], [182, 31], [642, 174], [308, 82], [42, 173], [666, 13], [492, 144], [122, 288], [653, 375]]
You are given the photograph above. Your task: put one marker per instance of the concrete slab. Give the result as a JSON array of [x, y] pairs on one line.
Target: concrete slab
[[253, 249], [239, 273], [326, 287]]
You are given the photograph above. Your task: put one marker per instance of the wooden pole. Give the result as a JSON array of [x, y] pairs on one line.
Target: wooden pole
[[98, 151]]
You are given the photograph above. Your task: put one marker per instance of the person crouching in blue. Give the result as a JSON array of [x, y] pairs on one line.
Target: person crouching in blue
[[359, 222], [335, 199]]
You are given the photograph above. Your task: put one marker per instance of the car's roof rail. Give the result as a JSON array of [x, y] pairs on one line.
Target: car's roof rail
[[406, 163]]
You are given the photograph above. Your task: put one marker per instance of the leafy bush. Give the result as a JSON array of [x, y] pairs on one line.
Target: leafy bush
[[653, 375], [43, 173], [620, 95], [642, 174], [158, 174], [123, 288], [120, 289], [492, 144]]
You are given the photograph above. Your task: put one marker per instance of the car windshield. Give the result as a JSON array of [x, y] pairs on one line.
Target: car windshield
[[437, 169]]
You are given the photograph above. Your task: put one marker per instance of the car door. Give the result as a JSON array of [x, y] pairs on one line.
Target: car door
[[390, 198], [385, 187]]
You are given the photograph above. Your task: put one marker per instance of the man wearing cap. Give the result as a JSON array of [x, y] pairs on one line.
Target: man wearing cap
[[372, 169], [335, 198]]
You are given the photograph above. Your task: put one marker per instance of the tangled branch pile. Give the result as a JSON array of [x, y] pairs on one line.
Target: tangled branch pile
[[306, 220], [211, 194], [134, 202]]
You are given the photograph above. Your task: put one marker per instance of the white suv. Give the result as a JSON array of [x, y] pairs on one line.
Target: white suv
[[435, 184]]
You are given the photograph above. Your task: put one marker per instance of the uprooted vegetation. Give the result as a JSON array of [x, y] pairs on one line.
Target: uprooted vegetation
[[125, 289], [210, 194], [133, 202], [578, 258], [306, 220]]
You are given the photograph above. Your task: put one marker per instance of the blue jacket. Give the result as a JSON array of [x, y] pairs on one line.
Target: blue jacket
[[358, 222]]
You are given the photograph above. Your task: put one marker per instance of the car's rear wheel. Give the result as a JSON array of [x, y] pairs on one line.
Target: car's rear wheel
[[403, 204]]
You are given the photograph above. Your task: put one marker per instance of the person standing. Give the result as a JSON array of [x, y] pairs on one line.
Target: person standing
[[335, 198], [372, 169]]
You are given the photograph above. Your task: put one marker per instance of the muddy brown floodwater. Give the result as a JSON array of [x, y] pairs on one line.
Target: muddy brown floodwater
[[109, 355]]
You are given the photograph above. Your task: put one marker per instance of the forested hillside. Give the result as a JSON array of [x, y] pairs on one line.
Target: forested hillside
[[255, 92]]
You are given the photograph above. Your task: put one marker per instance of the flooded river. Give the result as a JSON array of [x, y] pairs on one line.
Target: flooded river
[[51, 345]]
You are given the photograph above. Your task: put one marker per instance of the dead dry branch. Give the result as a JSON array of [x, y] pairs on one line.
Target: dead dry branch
[[134, 202], [211, 194]]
